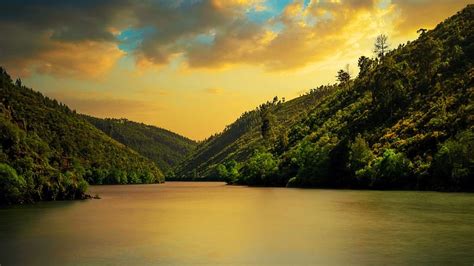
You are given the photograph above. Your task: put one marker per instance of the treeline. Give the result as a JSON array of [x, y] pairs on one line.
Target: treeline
[[405, 122], [48, 152]]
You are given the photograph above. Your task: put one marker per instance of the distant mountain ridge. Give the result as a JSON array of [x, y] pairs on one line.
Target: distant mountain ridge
[[162, 146]]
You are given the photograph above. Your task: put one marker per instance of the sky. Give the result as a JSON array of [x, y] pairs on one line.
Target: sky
[[193, 66]]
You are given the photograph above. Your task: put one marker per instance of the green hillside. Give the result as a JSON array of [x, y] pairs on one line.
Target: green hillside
[[406, 122], [243, 136], [48, 152], [163, 147]]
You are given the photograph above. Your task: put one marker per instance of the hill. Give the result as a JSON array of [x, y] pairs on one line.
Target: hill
[[406, 122], [242, 137], [48, 152], [163, 147]]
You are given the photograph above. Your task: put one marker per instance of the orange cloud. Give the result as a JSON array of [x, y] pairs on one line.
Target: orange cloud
[[323, 29], [414, 15], [86, 59]]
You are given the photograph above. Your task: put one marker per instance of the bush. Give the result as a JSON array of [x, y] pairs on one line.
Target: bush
[[229, 172], [260, 169], [391, 171]]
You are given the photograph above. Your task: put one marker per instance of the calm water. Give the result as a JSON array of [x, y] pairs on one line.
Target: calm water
[[211, 223]]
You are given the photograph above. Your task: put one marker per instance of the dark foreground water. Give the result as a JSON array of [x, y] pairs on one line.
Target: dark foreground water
[[211, 223]]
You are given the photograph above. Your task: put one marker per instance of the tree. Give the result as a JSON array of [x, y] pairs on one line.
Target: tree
[[275, 100], [427, 57], [222, 171], [364, 64], [381, 46], [392, 170], [260, 169], [453, 164], [12, 186], [341, 175], [360, 154], [18, 82], [267, 119], [389, 87], [421, 31], [343, 76], [266, 128], [314, 162], [228, 171], [10, 135], [282, 142], [5, 79]]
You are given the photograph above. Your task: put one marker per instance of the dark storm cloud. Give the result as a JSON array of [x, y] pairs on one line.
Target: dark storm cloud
[[30, 29], [172, 24], [66, 20], [178, 25], [33, 31]]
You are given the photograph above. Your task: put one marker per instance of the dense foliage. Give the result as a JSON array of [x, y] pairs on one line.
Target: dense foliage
[[163, 147], [405, 122], [48, 152]]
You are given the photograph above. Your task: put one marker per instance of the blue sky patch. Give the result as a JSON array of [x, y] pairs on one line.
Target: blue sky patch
[[205, 38], [273, 9], [131, 38]]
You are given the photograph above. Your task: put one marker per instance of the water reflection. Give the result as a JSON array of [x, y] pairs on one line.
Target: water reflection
[[210, 223]]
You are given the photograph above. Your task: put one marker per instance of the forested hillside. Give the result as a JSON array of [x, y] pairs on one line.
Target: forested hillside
[[48, 152], [163, 147], [239, 139], [405, 122]]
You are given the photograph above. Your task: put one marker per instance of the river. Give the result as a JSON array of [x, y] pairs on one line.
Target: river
[[180, 223]]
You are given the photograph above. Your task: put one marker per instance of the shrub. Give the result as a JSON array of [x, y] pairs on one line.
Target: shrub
[[260, 169], [229, 172], [392, 170]]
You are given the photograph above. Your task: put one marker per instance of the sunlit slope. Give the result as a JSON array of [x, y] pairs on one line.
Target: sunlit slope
[[240, 138], [405, 122]]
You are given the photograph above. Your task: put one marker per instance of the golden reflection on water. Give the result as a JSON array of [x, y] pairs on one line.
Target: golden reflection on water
[[211, 223]]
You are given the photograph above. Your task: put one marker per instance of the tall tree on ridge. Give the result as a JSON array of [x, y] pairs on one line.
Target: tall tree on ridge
[[381, 46]]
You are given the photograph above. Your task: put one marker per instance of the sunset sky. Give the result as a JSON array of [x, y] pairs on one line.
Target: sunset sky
[[193, 66]]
